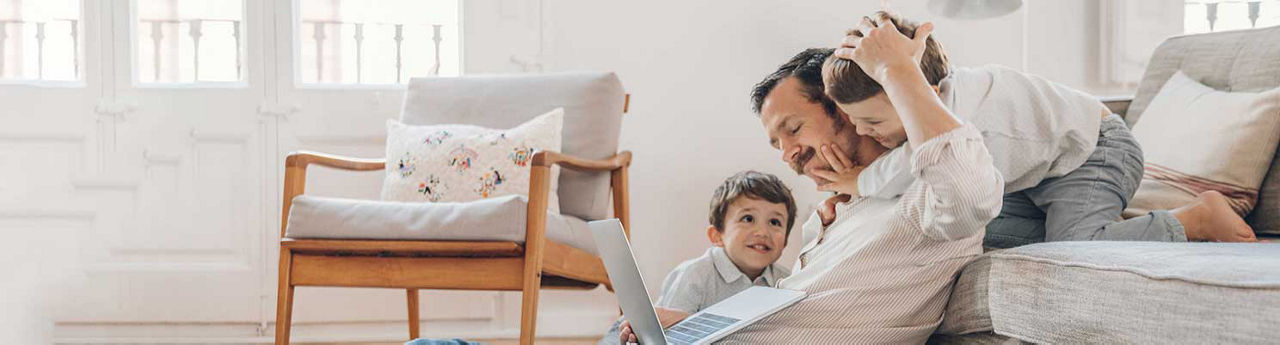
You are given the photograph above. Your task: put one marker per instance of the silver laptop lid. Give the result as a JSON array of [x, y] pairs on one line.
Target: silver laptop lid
[[628, 285]]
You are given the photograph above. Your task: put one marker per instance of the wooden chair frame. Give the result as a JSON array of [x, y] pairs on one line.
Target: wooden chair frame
[[456, 265]]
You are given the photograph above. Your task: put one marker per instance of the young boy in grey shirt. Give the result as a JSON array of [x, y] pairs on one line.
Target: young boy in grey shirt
[[751, 217]]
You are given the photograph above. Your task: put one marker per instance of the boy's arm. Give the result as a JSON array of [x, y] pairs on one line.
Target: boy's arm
[[962, 189], [679, 298], [888, 176]]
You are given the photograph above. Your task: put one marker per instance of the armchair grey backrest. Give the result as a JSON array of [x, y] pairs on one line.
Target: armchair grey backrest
[[1239, 61], [592, 102]]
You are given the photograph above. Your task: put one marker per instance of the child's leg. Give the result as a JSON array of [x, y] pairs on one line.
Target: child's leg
[[1019, 223], [1085, 205]]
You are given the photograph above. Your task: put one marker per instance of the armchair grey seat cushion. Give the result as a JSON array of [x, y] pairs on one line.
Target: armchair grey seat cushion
[[494, 219], [1121, 292]]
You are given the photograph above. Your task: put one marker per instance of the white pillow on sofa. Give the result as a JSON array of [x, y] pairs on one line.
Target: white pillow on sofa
[[459, 163], [1195, 139]]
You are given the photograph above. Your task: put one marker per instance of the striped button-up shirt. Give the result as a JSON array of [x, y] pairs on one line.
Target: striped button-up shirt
[[882, 271]]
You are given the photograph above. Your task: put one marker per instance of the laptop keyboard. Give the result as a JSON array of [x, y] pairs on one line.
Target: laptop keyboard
[[698, 327]]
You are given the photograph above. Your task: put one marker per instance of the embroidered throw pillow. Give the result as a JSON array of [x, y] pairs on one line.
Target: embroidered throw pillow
[[459, 163], [1195, 139]]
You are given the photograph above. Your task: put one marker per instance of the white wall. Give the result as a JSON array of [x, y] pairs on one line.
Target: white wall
[[690, 66]]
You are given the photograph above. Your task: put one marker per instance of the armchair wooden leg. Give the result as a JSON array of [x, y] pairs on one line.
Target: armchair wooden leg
[[284, 298], [529, 307], [414, 322]]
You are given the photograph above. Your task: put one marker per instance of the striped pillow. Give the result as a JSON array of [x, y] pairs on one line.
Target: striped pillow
[[1197, 139]]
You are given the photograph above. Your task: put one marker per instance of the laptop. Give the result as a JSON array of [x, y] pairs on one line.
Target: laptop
[[703, 327]]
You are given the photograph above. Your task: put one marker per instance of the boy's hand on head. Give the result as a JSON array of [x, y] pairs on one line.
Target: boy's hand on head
[[877, 46], [843, 176]]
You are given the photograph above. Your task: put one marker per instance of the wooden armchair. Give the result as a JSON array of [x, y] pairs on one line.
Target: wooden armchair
[[457, 265]]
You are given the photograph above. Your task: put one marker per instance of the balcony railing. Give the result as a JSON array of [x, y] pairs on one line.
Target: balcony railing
[[195, 28], [320, 36], [9, 27], [1253, 10]]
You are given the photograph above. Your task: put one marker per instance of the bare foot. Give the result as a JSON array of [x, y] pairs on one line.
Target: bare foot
[[1210, 218]]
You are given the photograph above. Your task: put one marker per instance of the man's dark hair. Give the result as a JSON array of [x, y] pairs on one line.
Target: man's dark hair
[[807, 68], [751, 184], [848, 83]]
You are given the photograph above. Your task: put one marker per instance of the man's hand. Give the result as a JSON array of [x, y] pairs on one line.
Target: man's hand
[[843, 176], [876, 46], [827, 212], [666, 317]]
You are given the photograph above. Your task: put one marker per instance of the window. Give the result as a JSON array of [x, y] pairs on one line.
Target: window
[[40, 40], [1221, 15], [189, 41], [377, 41]]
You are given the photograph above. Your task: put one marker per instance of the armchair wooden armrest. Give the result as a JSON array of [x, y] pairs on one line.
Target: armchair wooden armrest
[[303, 158], [550, 158], [295, 173], [1117, 104], [616, 166]]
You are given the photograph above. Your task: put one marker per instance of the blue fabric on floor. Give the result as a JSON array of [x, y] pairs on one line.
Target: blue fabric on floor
[[425, 341]]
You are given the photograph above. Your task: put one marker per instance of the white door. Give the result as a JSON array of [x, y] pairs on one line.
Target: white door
[[181, 189], [51, 82]]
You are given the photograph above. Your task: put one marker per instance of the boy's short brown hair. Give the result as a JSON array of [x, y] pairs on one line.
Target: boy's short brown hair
[[847, 83], [751, 184]]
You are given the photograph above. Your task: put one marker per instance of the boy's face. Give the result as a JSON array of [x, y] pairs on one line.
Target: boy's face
[[876, 118], [754, 234]]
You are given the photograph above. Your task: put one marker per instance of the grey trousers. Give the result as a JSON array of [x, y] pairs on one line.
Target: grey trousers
[[1085, 205]]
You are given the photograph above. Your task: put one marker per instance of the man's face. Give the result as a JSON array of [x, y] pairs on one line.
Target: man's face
[[798, 127], [876, 118]]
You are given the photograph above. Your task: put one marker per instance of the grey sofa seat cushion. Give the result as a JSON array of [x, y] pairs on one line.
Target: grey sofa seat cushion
[[1239, 61], [1136, 292], [980, 338], [592, 105], [493, 219], [967, 309]]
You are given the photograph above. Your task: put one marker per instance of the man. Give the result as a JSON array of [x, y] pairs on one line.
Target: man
[[881, 270]]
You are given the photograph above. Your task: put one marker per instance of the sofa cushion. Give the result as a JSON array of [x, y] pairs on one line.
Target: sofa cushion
[[494, 219], [1136, 292], [592, 105], [1196, 139], [967, 309], [980, 338], [1235, 61]]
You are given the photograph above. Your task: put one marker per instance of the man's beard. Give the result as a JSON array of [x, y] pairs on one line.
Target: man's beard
[[800, 162]]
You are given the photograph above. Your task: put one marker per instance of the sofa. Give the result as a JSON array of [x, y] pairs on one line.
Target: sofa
[[1141, 292]]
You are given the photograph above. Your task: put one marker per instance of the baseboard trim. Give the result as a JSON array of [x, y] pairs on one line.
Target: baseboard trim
[[560, 325]]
